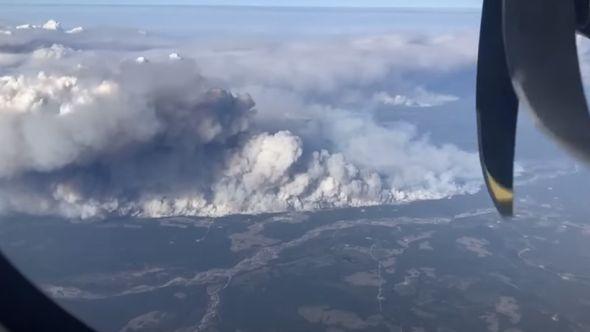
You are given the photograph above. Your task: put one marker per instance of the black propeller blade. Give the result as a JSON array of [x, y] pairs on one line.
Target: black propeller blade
[[540, 41], [528, 49], [497, 109]]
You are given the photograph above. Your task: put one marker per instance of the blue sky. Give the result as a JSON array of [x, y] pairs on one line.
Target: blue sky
[[307, 3]]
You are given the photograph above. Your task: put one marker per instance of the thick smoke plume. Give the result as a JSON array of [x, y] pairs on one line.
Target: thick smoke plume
[[90, 129]]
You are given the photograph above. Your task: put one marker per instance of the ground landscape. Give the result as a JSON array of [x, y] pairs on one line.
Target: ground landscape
[[427, 266]]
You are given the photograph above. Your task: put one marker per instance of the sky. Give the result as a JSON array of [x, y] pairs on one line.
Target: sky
[[303, 3]]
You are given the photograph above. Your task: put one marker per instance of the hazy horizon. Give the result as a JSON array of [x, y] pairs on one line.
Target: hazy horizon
[[425, 4]]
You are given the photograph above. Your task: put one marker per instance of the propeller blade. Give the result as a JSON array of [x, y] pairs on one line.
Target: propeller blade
[[583, 17], [497, 110], [540, 40]]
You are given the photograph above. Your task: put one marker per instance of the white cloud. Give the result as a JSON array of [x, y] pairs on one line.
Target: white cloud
[[56, 52], [52, 121], [26, 26], [332, 66], [52, 25], [174, 56], [421, 98], [75, 30]]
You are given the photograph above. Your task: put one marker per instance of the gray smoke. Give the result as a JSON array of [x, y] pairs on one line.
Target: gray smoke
[[90, 129]]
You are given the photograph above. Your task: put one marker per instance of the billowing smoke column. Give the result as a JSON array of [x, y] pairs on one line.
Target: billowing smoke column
[[85, 138]]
